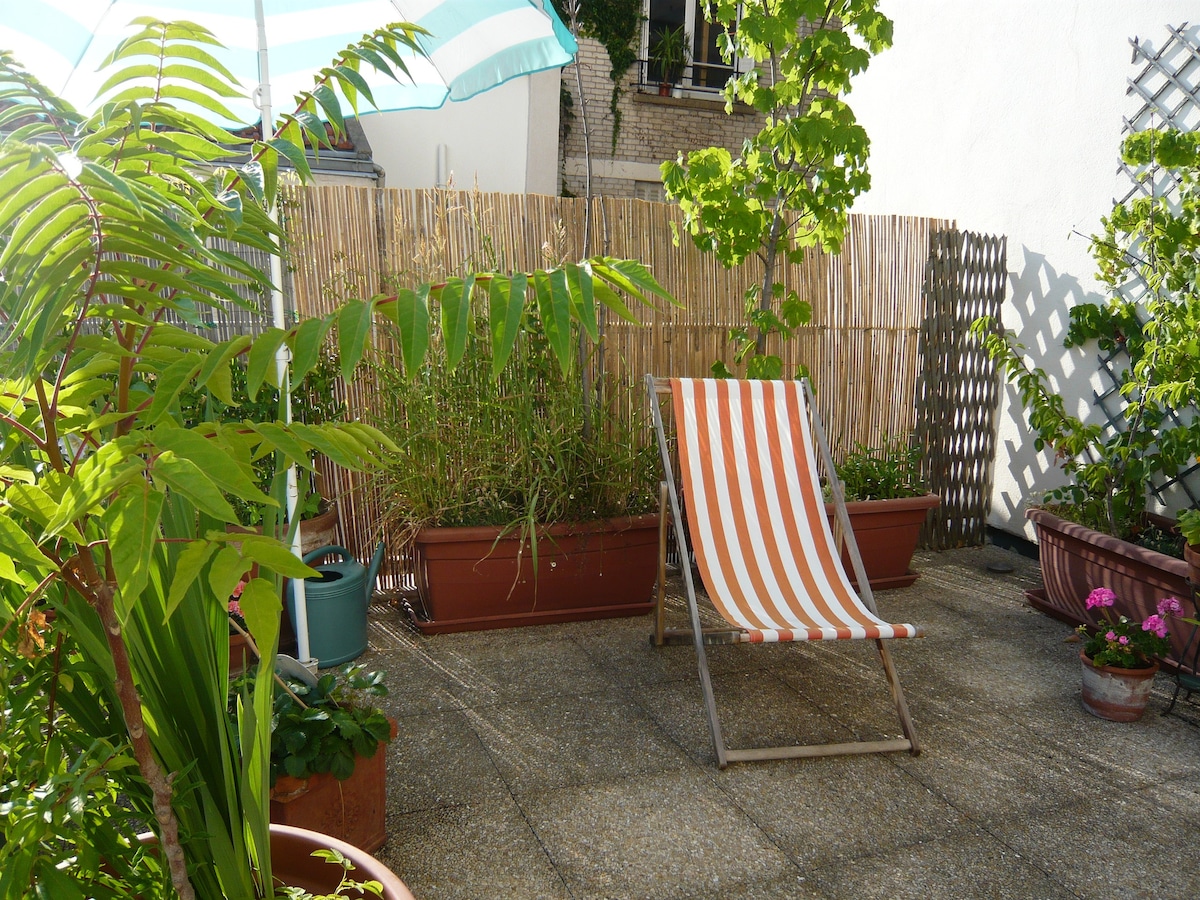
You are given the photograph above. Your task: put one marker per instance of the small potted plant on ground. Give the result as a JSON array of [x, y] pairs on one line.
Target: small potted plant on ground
[[1120, 657], [888, 503], [328, 766]]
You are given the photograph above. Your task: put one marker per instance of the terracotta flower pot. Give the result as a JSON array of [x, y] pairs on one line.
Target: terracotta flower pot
[[293, 864], [887, 532], [1116, 694], [1191, 556]]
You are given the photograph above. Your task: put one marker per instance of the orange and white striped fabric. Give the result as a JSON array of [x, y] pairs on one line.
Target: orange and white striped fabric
[[758, 524]]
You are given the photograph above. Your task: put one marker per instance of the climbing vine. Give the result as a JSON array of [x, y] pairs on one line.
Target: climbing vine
[[614, 23]]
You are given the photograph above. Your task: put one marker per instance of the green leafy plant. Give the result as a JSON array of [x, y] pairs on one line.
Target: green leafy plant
[[1155, 240], [670, 53], [1189, 526], [1126, 644], [347, 887], [793, 182], [886, 472], [115, 564], [508, 449]]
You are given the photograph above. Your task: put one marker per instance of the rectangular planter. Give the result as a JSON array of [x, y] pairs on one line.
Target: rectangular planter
[[1076, 559], [886, 532], [473, 578], [352, 810]]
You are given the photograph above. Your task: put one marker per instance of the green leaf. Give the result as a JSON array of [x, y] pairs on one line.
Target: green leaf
[[173, 379], [506, 305], [211, 459], [410, 312], [188, 565], [261, 363], [307, 340], [554, 307], [455, 299], [261, 609], [103, 473], [132, 524], [354, 331], [226, 571], [17, 545], [188, 479], [583, 302], [273, 555]]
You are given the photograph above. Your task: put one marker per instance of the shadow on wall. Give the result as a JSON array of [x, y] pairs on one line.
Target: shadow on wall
[[1038, 313]]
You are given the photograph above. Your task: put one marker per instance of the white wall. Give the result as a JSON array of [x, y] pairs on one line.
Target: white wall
[[1006, 116], [505, 139]]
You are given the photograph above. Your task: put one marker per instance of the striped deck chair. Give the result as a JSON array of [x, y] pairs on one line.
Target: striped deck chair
[[763, 544]]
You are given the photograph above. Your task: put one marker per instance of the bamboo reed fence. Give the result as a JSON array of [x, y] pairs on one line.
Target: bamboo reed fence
[[863, 347]]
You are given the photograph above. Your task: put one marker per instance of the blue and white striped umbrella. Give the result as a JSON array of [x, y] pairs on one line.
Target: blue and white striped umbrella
[[473, 45]]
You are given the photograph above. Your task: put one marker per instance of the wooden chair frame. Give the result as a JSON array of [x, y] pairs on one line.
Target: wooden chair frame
[[843, 534]]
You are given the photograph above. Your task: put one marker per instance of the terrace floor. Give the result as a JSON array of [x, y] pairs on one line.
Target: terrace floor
[[574, 761]]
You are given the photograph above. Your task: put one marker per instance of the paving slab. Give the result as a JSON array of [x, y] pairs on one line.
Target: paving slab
[[575, 761]]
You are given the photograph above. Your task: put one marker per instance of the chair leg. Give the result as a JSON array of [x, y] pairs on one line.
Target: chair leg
[[660, 599], [893, 678]]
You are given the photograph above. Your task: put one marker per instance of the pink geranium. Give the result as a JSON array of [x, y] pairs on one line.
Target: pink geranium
[[1101, 596], [1116, 641], [1155, 624]]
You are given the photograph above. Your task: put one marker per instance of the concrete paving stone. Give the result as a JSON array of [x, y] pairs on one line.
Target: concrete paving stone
[[756, 709], [509, 664], [791, 886], [484, 850], [661, 836], [1138, 844], [831, 809], [571, 740], [438, 760], [966, 865]]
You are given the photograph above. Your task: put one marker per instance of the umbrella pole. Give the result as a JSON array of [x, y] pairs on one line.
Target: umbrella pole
[[282, 355]]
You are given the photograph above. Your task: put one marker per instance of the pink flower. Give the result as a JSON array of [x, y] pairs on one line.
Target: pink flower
[[1155, 624], [1101, 596], [1170, 606], [238, 588], [235, 608], [1123, 640], [1111, 636]]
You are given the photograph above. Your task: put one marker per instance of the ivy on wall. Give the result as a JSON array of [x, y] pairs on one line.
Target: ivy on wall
[[614, 23]]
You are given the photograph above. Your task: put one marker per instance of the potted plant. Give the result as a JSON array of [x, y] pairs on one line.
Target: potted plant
[[1095, 529], [888, 504], [521, 503], [1120, 657], [328, 768], [1189, 529], [669, 55]]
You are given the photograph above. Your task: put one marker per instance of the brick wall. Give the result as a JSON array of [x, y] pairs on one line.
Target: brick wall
[[652, 129]]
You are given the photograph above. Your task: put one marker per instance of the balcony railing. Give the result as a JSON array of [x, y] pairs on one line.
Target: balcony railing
[[698, 77]]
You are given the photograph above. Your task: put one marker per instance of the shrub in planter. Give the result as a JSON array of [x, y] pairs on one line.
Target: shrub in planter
[[887, 502]]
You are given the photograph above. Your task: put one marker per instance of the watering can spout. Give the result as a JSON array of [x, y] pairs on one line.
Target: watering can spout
[[373, 571]]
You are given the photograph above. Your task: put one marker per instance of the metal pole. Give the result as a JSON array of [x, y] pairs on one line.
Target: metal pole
[[283, 354]]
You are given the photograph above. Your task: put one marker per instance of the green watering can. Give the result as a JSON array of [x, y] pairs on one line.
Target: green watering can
[[337, 601]]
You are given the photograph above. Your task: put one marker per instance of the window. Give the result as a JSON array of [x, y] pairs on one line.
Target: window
[[706, 71]]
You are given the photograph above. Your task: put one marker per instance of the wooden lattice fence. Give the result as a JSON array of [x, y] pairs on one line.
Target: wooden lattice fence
[[863, 347]]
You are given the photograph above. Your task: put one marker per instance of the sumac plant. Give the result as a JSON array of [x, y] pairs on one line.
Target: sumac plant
[[115, 563]]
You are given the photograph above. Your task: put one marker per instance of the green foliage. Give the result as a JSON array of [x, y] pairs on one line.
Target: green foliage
[[615, 24], [314, 402], [671, 52], [511, 448], [323, 728], [1159, 242], [791, 185], [886, 472], [345, 886], [1189, 526]]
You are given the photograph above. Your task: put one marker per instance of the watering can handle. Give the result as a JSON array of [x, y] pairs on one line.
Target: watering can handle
[[327, 550]]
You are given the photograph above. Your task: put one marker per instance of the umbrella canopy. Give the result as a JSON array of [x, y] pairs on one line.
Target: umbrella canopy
[[472, 45]]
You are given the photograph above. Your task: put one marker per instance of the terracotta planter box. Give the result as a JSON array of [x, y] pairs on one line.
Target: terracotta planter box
[[468, 580], [352, 810], [887, 532], [1076, 559]]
